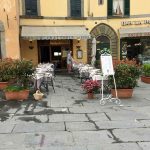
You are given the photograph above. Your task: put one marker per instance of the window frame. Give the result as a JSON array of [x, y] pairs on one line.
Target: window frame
[[82, 10], [38, 10], [126, 9]]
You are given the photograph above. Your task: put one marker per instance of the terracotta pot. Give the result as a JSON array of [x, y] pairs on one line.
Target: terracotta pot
[[122, 93], [91, 95], [145, 79], [17, 95], [3, 85]]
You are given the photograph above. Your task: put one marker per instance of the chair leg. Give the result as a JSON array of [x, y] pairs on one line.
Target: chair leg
[[53, 85]]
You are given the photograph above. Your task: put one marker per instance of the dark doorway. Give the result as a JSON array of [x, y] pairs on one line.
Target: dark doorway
[[102, 42], [44, 54], [56, 56]]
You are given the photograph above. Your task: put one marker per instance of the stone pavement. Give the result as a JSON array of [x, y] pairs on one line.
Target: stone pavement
[[67, 120]]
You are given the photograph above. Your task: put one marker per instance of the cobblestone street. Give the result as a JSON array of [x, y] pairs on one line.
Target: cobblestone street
[[67, 120]]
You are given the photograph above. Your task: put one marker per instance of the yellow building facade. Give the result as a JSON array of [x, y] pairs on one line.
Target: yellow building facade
[[49, 28], [9, 29]]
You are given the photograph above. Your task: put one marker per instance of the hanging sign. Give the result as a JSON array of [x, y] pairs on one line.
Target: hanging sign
[[107, 65]]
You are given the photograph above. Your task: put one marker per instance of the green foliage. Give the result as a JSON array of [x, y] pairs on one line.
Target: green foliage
[[126, 76], [19, 71], [6, 69], [14, 88], [105, 51], [23, 69], [146, 70]]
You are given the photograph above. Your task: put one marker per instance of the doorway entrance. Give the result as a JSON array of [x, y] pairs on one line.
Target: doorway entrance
[[103, 42], [44, 54], [56, 56]]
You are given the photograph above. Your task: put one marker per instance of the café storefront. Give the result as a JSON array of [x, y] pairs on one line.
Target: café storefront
[[135, 43]]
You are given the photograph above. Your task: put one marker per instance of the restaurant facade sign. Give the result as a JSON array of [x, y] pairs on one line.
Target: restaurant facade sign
[[136, 22]]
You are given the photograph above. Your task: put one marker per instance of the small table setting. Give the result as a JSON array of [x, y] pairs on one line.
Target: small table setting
[[44, 76]]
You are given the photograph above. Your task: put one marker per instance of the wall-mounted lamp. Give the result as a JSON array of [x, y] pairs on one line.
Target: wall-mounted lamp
[[31, 44], [78, 40]]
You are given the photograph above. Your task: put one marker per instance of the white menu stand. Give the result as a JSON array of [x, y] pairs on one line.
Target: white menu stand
[[107, 69]]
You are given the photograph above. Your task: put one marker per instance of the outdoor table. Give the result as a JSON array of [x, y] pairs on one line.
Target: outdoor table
[[44, 76]]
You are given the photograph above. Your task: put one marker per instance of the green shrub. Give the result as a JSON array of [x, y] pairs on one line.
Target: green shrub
[[126, 76], [146, 70]]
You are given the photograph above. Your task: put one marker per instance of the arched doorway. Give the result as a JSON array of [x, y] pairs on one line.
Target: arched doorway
[[102, 43], [105, 36]]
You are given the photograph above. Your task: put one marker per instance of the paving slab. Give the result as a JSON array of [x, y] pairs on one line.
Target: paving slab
[[29, 119], [21, 141], [92, 137], [144, 145], [82, 109], [80, 126], [122, 146], [6, 128], [36, 127], [118, 124], [127, 115], [97, 117], [133, 135]]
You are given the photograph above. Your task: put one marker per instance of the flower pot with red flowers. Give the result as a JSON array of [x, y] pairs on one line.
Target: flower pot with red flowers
[[91, 86]]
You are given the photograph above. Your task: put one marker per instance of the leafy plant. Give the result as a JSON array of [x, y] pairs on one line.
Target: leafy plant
[[91, 86], [13, 88], [6, 69], [146, 70], [126, 76], [23, 69], [105, 51]]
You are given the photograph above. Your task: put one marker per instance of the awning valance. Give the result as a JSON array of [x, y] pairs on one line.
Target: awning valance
[[134, 32], [57, 32]]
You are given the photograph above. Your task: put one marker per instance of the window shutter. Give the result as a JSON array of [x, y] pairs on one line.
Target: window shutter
[[31, 7], [126, 7], [109, 7], [75, 8]]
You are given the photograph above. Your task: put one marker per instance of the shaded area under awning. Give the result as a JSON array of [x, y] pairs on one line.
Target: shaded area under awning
[[134, 32], [52, 33]]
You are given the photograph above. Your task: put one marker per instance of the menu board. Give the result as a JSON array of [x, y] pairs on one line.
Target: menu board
[[107, 65]]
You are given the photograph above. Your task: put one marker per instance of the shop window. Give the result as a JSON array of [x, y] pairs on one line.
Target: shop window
[[31, 8], [118, 8], [75, 8]]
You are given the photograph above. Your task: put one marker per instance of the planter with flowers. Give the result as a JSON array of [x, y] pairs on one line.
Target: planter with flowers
[[6, 69], [91, 86], [126, 77], [21, 74]]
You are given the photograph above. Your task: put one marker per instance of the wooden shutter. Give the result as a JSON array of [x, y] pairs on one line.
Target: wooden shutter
[[31, 7], [75, 6], [126, 7], [109, 7]]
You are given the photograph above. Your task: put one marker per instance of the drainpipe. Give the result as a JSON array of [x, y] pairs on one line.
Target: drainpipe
[[88, 8]]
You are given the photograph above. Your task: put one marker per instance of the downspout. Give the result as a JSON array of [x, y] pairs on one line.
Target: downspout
[[18, 22], [88, 8]]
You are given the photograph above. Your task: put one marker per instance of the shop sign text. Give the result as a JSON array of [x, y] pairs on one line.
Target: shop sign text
[[139, 22]]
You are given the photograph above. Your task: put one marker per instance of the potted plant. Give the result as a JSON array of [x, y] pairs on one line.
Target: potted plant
[[126, 76], [22, 72], [91, 86], [6, 69], [145, 73]]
